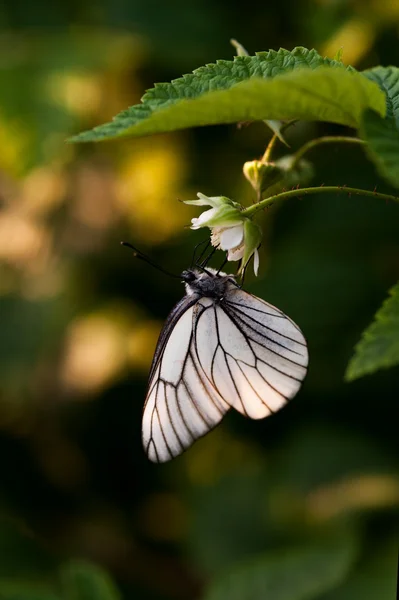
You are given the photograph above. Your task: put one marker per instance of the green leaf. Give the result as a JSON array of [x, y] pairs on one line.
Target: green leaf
[[17, 590], [22, 554], [381, 134], [374, 577], [228, 522], [276, 127], [82, 580], [269, 86], [290, 574], [379, 346]]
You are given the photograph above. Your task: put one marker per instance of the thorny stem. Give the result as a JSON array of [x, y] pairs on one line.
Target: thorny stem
[[299, 192], [327, 139]]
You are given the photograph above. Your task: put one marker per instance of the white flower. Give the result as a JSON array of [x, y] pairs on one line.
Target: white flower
[[224, 212], [230, 239], [240, 242], [231, 231]]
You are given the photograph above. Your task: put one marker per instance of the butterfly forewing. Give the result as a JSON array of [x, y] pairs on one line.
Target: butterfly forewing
[[181, 404]]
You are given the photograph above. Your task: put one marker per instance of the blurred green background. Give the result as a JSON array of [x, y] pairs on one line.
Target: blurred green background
[[79, 316]]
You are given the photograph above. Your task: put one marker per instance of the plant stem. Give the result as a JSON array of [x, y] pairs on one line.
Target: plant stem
[[266, 157], [327, 139], [338, 189]]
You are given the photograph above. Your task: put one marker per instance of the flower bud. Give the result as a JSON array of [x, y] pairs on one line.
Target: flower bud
[[262, 175], [291, 174]]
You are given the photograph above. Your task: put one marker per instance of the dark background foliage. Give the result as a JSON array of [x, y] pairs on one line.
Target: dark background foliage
[[79, 317]]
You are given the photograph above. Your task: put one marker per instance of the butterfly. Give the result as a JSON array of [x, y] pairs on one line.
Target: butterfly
[[220, 348]]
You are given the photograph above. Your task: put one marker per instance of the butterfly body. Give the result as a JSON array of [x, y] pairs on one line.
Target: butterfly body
[[208, 283], [220, 348]]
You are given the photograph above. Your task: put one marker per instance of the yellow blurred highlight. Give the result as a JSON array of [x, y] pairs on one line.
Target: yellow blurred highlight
[[163, 517], [80, 93], [100, 347], [14, 144], [92, 207], [218, 454], [356, 37], [150, 180], [95, 354], [364, 492], [46, 284], [142, 340], [94, 196], [24, 244], [42, 190]]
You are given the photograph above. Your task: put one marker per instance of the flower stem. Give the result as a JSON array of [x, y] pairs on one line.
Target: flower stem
[[338, 189], [327, 139], [266, 156]]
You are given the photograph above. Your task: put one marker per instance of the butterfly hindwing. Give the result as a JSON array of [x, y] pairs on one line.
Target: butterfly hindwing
[[252, 353]]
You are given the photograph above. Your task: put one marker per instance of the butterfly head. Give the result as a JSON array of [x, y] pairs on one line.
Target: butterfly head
[[209, 283]]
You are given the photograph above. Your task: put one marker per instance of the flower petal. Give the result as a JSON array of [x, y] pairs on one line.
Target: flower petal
[[214, 201], [256, 261], [203, 219], [236, 253], [196, 202], [215, 236], [231, 237]]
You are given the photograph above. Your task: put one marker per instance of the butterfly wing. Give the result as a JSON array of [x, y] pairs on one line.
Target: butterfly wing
[[181, 404], [251, 352]]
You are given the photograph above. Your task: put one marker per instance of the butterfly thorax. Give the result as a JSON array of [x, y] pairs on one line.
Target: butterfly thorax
[[210, 284]]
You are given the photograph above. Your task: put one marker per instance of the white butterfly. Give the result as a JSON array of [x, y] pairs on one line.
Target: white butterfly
[[220, 348]]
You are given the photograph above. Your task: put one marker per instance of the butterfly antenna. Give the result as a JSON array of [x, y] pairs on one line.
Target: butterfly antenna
[[206, 260], [243, 276], [194, 261], [221, 266], [141, 256], [202, 265]]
